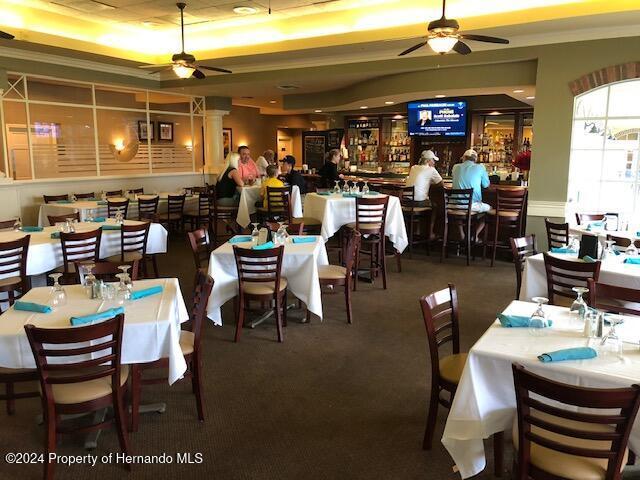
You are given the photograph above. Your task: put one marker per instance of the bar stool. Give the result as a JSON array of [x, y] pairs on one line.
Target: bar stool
[[219, 213], [508, 216], [414, 217], [457, 211]]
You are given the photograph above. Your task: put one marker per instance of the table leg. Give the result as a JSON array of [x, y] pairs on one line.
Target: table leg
[[498, 453]]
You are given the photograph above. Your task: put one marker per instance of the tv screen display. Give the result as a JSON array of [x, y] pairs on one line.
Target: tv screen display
[[437, 118]]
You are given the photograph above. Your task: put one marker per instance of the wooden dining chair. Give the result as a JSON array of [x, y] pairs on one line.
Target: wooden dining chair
[[133, 247], [106, 271], [337, 275], [292, 229], [201, 217], [260, 279], [114, 193], [456, 211], [279, 208], [84, 196], [371, 218], [7, 224], [507, 219], [521, 248], [137, 191], [77, 247], [117, 206], [71, 384], [148, 209], [222, 224], [567, 432], [53, 219], [200, 248], [174, 217], [557, 234], [583, 218], [563, 275], [55, 198], [191, 346], [614, 299], [622, 242]]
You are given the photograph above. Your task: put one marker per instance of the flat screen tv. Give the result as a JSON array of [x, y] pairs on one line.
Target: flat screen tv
[[444, 118]]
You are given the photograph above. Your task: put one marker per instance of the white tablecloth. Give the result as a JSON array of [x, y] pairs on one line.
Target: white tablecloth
[[485, 399], [250, 195], [299, 266], [612, 272], [336, 211], [83, 206], [151, 329], [45, 253]]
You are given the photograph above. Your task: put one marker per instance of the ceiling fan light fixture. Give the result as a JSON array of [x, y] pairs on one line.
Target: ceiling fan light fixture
[[442, 44], [244, 10], [183, 71]]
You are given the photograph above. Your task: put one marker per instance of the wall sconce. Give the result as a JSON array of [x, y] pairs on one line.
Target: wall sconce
[[118, 145], [122, 152], [189, 146]]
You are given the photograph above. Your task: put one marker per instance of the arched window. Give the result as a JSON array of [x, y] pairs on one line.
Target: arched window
[[605, 141]]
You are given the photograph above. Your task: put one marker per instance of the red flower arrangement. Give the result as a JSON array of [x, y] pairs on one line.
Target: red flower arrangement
[[522, 160]]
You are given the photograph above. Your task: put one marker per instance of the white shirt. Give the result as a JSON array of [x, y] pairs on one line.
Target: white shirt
[[262, 165], [421, 177]]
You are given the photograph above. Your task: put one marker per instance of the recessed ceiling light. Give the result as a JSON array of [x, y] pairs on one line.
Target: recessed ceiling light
[[244, 10], [272, 101], [518, 91], [440, 96], [363, 107], [318, 111], [389, 102], [531, 98], [495, 113]]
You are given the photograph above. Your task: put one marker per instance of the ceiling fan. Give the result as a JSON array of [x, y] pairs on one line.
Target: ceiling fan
[[6, 36], [444, 37], [184, 64]]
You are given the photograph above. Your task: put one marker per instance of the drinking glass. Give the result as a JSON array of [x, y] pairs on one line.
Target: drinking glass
[[89, 217], [336, 189], [611, 343], [73, 197], [345, 187], [631, 250], [127, 278], [58, 297], [122, 292], [538, 322], [608, 253], [18, 224], [255, 233], [119, 218], [103, 196], [574, 243], [365, 188], [579, 306]]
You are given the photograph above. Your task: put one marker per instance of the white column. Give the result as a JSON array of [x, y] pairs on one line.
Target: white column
[[213, 146]]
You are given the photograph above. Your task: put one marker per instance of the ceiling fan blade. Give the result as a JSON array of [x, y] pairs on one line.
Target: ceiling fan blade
[[461, 48], [6, 36], [483, 38], [160, 65], [160, 70], [215, 69], [415, 47], [198, 74]]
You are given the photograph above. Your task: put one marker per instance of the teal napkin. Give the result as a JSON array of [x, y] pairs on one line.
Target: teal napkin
[[31, 307], [31, 229], [264, 246], [103, 202], [632, 260], [588, 259], [324, 193], [110, 227], [304, 239], [55, 235], [372, 192], [146, 292], [351, 195], [94, 317], [516, 321], [241, 239], [562, 250], [64, 201], [92, 199], [99, 220], [579, 353]]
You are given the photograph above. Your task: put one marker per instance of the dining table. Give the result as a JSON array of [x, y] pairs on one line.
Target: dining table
[[250, 195], [613, 271], [485, 403], [300, 264], [337, 209], [45, 251], [98, 207]]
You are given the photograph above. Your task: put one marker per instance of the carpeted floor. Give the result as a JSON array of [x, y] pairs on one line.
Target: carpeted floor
[[333, 401]]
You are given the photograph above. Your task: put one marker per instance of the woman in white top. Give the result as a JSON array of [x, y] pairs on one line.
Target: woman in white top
[[422, 176], [262, 165]]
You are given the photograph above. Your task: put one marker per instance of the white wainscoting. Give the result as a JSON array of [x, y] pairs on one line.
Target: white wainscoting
[[541, 208]]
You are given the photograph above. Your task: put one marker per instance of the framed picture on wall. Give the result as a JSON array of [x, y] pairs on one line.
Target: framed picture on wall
[[165, 131], [227, 140], [143, 134]]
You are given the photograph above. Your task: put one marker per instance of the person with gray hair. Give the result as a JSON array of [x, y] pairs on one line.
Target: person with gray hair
[[421, 177]]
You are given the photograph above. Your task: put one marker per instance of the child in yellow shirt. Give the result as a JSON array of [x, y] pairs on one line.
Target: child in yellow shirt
[[271, 181]]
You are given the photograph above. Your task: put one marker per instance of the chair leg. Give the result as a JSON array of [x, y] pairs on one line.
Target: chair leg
[[284, 309], [445, 239], [136, 377], [240, 318], [278, 312], [196, 382], [154, 260], [118, 412], [347, 298], [494, 244], [498, 453], [11, 403], [469, 241], [383, 260], [431, 417], [49, 465]]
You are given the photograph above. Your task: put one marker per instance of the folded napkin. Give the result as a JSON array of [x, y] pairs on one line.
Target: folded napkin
[[64, 201], [632, 260], [352, 195], [240, 239], [372, 192], [562, 250], [146, 292], [31, 229], [94, 317], [588, 259], [55, 235], [324, 193], [264, 246], [31, 307], [579, 353], [110, 227], [517, 321], [99, 220], [304, 239]]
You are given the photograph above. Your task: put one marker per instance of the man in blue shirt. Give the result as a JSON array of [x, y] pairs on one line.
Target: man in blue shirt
[[470, 174]]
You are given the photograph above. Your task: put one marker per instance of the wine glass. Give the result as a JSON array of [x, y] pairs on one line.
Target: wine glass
[[631, 250], [354, 188], [119, 218], [579, 306], [255, 233], [538, 321], [89, 217], [345, 187], [611, 343], [574, 243], [127, 277], [103, 196], [608, 253], [58, 296], [73, 197], [17, 224], [336, 189], [365, 188], [122, 292]]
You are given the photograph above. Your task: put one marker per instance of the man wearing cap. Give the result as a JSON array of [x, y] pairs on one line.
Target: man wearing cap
[[290, 175], [470, 174], [422, 176]]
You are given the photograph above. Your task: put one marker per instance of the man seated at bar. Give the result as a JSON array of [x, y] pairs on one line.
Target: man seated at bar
[[421, 177], [290, 175], [247, 167], [329, 171], [272, 180], [470, 174], [228, 181]]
